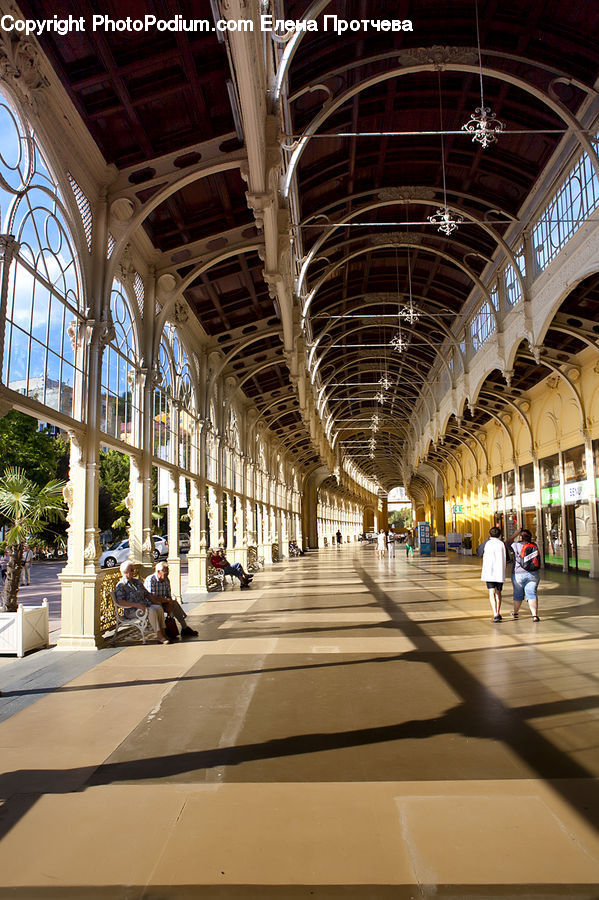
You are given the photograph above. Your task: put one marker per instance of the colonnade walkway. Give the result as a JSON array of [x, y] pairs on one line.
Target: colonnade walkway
[[348, 728]]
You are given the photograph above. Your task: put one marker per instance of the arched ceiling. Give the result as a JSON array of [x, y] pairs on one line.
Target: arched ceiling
[[360, 188], [369, 167]]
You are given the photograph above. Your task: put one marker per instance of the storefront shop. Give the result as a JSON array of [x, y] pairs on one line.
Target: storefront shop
[[505, 503], [566, 512], [528, 516], [551, 505], [578, 518]]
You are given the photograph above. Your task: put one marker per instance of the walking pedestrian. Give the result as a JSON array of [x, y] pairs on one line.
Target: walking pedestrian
[[26, 564], [493, 570], [525, 573], [409, 546], [391, 544], [381, 543]]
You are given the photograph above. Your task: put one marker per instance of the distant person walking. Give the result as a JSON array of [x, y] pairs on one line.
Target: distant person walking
[[409, 545], [381, 543], [493, 570], [339, 537], [391, 544], [26, 565], [525, 573]]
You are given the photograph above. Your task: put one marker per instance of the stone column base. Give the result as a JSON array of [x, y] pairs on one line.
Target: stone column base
[[81, 626], [196, 571]]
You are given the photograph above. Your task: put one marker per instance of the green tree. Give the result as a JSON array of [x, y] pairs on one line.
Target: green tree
[[28, 509], [23, 446], [114, 487], [401, 518], [40, 455]]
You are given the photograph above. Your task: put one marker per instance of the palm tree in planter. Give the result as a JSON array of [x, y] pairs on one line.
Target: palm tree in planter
[[27, 509]]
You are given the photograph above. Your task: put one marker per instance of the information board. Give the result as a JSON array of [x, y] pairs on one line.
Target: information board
[[424, 538]]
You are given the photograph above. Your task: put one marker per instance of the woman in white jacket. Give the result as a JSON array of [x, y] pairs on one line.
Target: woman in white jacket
[[493, 571], [381, 543]]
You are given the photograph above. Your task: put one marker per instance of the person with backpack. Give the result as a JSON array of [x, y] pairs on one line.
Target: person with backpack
[[525, 573]]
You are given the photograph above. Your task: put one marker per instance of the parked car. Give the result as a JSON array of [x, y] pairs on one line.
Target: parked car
[[183, 543], [115, 555], [371, 537], [160, 546], [119, 552]]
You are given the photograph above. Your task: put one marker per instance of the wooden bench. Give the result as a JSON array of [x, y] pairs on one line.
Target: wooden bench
[[215, 578], [255, 562], [140, 620]]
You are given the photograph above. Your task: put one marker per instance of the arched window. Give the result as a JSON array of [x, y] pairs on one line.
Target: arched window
[[162, 405], [182, 389], [232, 452], [482, 326], [212, 446], [45, 296], [118, 369]]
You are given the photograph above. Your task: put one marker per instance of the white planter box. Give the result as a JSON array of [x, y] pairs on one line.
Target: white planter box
[[27, 629]]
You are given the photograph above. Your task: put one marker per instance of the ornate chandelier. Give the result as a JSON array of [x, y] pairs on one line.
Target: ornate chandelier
[[398, 343], [444, 218], [482, 125], [410, 313], [385, 383], [380, 397]]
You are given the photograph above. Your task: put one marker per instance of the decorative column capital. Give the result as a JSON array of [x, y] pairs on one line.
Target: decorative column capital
[[9, 247]]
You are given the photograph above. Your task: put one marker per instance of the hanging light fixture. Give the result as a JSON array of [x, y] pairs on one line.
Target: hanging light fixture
[[380, 397], [385, 383], [444, 218], [397, 341], [482, 125], [409, 312], [374, 423]]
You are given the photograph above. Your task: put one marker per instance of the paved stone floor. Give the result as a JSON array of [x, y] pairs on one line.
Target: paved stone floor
[[348, 728]]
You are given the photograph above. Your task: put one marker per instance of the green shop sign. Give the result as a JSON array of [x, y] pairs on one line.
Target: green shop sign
[[551, 496]]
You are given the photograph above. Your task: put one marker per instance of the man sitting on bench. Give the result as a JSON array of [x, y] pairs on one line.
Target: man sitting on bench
[[219, 561], [159, 586], [131, 594]]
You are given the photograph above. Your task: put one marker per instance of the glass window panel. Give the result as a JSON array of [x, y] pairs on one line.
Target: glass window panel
[[66, 390], [510, 482], [113, 370], [574, 464], [19, 357], [527, 478], [23, 286], [497, 486], [52, 381], [111, 415], [549, 469], [56, 325], [37, 368], [41, 313]]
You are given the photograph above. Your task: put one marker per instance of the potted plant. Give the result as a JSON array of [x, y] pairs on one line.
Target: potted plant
[[26, 510]]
